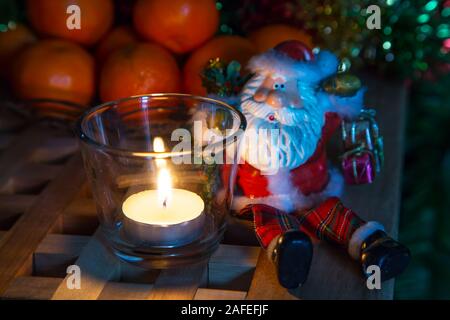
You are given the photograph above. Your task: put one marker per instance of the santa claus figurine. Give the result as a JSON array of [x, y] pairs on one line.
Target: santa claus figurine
[[285, 184]]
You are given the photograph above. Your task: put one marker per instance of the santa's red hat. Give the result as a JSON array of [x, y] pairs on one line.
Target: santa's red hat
[[294, 59]]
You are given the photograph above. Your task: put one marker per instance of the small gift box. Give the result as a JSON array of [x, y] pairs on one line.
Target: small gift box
[[358, 167], [363, 148]]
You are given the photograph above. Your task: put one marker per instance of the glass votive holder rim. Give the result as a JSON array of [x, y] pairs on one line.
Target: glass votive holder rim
[[228, 139]]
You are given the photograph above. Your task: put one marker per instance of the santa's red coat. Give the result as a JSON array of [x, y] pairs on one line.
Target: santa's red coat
[[310, 177]]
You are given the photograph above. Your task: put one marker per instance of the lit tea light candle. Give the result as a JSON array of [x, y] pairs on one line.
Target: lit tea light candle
[[165, 217]]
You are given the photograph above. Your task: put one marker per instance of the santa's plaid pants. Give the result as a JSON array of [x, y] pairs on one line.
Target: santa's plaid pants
[[330, 221]]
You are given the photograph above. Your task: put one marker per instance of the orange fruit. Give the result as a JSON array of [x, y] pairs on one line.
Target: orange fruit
[[117, 38], [50, 17], [269, 36], [11, 43], [55, 69], [179, 25], [138, 69], [225, 47]]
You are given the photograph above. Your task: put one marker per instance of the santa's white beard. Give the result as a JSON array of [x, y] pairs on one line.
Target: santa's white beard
[[293, 141]]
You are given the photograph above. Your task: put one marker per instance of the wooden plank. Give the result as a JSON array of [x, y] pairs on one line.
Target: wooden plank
[[15, 203], [178, 284], [230, 255], [135, 274], [20, 151], [340, 277], [29, 177], [77, 224], [19, 203], [229, 267], [227, 255], [125, 291], [8, 220], [265, 284], [98, 266], [232, 267], [79, 217], [62, 244], [54, 149], [81, 207], [31, 288], [56, 252], [43, 288], [24, 237], [215, 294]]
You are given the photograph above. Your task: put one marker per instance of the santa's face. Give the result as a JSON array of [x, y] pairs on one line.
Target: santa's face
[[274, 102], [278, 92]]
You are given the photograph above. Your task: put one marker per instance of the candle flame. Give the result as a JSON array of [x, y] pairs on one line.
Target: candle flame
[[164, 178], [158, 146], [164, 186]]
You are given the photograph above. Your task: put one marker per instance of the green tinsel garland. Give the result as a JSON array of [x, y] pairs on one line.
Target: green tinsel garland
[[414, 37]]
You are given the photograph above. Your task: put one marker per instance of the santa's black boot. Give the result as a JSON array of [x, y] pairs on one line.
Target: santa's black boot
[[291, 253], [381, 250]]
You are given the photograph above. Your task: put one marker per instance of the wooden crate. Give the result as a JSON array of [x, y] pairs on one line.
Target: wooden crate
[[48, 222]]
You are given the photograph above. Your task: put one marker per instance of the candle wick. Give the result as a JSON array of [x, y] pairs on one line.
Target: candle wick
[[165, 203]]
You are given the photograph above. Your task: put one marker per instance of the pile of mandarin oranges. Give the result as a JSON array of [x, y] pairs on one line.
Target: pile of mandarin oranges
[[163, 49]]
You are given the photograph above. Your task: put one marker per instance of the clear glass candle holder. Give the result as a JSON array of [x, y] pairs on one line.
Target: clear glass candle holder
[[162, 171]]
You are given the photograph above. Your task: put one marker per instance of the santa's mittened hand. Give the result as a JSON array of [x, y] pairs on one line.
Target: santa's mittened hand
[[347, 107]]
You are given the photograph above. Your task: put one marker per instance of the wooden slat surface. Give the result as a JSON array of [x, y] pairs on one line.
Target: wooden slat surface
[[58, 251], [20, 151], [17, 245], [178, 284], [214, 294], [125, 291], [265, 284], [32, 288], [98, 266], [42, 288]]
